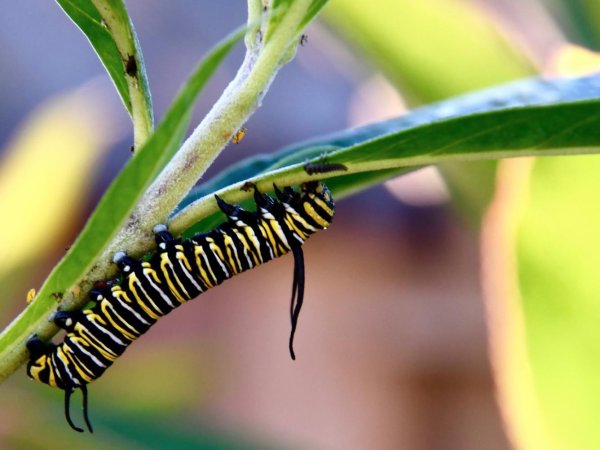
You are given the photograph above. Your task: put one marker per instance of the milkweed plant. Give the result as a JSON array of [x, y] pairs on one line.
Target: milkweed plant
[[536, 116]]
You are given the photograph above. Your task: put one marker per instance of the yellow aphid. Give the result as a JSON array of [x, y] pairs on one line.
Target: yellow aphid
[[239, 135], [31, 295]]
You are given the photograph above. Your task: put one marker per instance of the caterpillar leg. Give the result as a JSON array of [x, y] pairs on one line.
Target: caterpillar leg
[[65, 320], [37, 348], [162, 236], [126, 264]]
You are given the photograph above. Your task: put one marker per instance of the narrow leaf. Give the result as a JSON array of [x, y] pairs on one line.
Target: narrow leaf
[[85, 15], [110, 32]]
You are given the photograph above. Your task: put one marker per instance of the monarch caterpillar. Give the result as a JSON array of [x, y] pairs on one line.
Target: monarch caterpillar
[[179, 270], [324, 167]]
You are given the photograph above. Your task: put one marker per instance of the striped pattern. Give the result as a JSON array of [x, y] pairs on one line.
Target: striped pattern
[[177, 272]]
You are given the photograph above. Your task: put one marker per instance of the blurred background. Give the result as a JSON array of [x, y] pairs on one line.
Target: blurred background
[[392, 347]]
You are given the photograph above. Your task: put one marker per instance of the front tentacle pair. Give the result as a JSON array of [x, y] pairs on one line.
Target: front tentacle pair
[[38, 348]]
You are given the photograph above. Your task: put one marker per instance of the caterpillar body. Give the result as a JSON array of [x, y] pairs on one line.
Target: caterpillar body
[[125, 308]]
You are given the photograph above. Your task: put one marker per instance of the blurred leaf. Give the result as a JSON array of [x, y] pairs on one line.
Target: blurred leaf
[[142, 372], [67, 134], [88, 19], [558, 249], [548, 370], [471, 186], [112, 210], [580, 19], [455, 130], [315, 7], [433, 49]]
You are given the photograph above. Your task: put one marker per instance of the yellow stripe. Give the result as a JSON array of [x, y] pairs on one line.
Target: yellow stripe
[[109, 313], [164, 263], [235, 264], [323, 205], [180, 255], [315, 216], [251, 235], [290, 222], [267, 235], [75, 363], [215, 249], [87, 339], [52, 377], [283, 247], [133, 289], [272, 227], [198, 251], [247, 247], [218, 253], [38, 367]]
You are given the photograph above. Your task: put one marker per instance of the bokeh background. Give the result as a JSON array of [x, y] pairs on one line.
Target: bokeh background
[[392, 347]]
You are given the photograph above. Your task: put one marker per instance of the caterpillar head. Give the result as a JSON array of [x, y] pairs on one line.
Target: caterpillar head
[[321, 192]]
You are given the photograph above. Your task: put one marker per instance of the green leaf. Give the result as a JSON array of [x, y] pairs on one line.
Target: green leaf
[[531, 117], [558, 248], [544, 249], [579, 19], [315, 8], [88, 19], [110, 214], [110, 32]]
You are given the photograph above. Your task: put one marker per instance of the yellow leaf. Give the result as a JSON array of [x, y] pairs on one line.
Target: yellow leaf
[[46, 171]]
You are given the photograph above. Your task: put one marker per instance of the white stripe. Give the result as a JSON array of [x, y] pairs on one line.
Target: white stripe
[[160, 291], [66, 367], [114, 313], [98, 363], [152, 304], [189, 275], [131, 310], [56, 369], [103, 330]]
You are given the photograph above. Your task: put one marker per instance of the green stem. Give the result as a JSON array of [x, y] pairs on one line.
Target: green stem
[[255, 11]]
